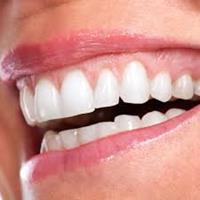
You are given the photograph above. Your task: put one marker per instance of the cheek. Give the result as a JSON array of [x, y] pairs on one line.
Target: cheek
[[164, 169], [12, 141]]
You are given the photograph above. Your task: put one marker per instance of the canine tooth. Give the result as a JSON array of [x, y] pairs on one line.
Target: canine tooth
[[161, 87], [197, 88], [51, 141], [183, 87], [127, 122], [105, 129], [106, 91], [87, 134], [27, 105], [153, 118], [47, 101], [174, 112], [135, 84], [69, 138], [77, 94]]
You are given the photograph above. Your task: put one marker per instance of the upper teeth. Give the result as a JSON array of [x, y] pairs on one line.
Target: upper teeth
[[76, 95]]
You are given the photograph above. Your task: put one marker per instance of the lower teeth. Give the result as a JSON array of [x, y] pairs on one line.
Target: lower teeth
[[73, 138]]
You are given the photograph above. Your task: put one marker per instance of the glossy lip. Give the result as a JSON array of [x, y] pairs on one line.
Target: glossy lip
[[55, 162], [63, 51], [29, 59]]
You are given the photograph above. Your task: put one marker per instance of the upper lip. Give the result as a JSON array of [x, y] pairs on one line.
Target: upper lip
[[32, 58]]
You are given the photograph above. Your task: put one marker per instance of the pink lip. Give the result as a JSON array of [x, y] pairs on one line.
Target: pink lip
[[51, 163], [28, 59]]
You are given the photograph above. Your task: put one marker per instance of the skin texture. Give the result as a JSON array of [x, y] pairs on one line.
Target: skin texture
[[167, 168], [11, 145]]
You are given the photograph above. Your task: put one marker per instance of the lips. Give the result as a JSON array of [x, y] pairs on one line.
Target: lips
[[71, 79], [28, 59]]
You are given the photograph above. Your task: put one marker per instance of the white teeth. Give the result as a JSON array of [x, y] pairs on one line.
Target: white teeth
[[161, 87], [127, 122], [197, 88], [51, 142], [69, 138], [106, 92], [77, 95], [153, 118], [135, 84], [47, 101], [183, 87], [174, 112], [105, 129], [87, 134], [74, 138], [27, 105]]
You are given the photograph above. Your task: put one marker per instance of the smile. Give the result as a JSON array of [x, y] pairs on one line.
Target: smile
[[96, 103]]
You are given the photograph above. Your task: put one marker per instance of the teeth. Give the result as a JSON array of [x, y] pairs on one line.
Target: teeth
[[197, 88], [127, 122], [106, 92], [174, 112], [105, 129], [73, 138], [135, 84], [47, 101], [183, 87], [51, 142], [87, 134], [27, 105], [153, 118], [77, 95], [161, 87], [69, 138]]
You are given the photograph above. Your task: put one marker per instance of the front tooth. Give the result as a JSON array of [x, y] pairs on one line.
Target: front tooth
[[27, 105], [51, 141], [174, 112], [153, 118], [77, 94], [127, 122], [183, 87], [161, 87], [47, 101], [197, 88], [87, 134], [135, 84], [104, 129], [107, 91], [69, 138]]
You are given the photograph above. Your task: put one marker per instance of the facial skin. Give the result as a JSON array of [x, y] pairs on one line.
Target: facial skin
[[12, 134], [167, 168]]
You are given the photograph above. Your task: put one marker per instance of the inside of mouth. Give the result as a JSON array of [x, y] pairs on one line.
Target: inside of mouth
[[109, 113]]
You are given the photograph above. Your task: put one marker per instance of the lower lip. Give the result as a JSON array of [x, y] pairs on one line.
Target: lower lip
[[52, 163]]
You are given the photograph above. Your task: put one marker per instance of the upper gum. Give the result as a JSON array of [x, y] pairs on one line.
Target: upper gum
[[116, 63]]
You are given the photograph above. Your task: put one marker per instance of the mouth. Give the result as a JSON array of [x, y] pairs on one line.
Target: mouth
[[102, 101]]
